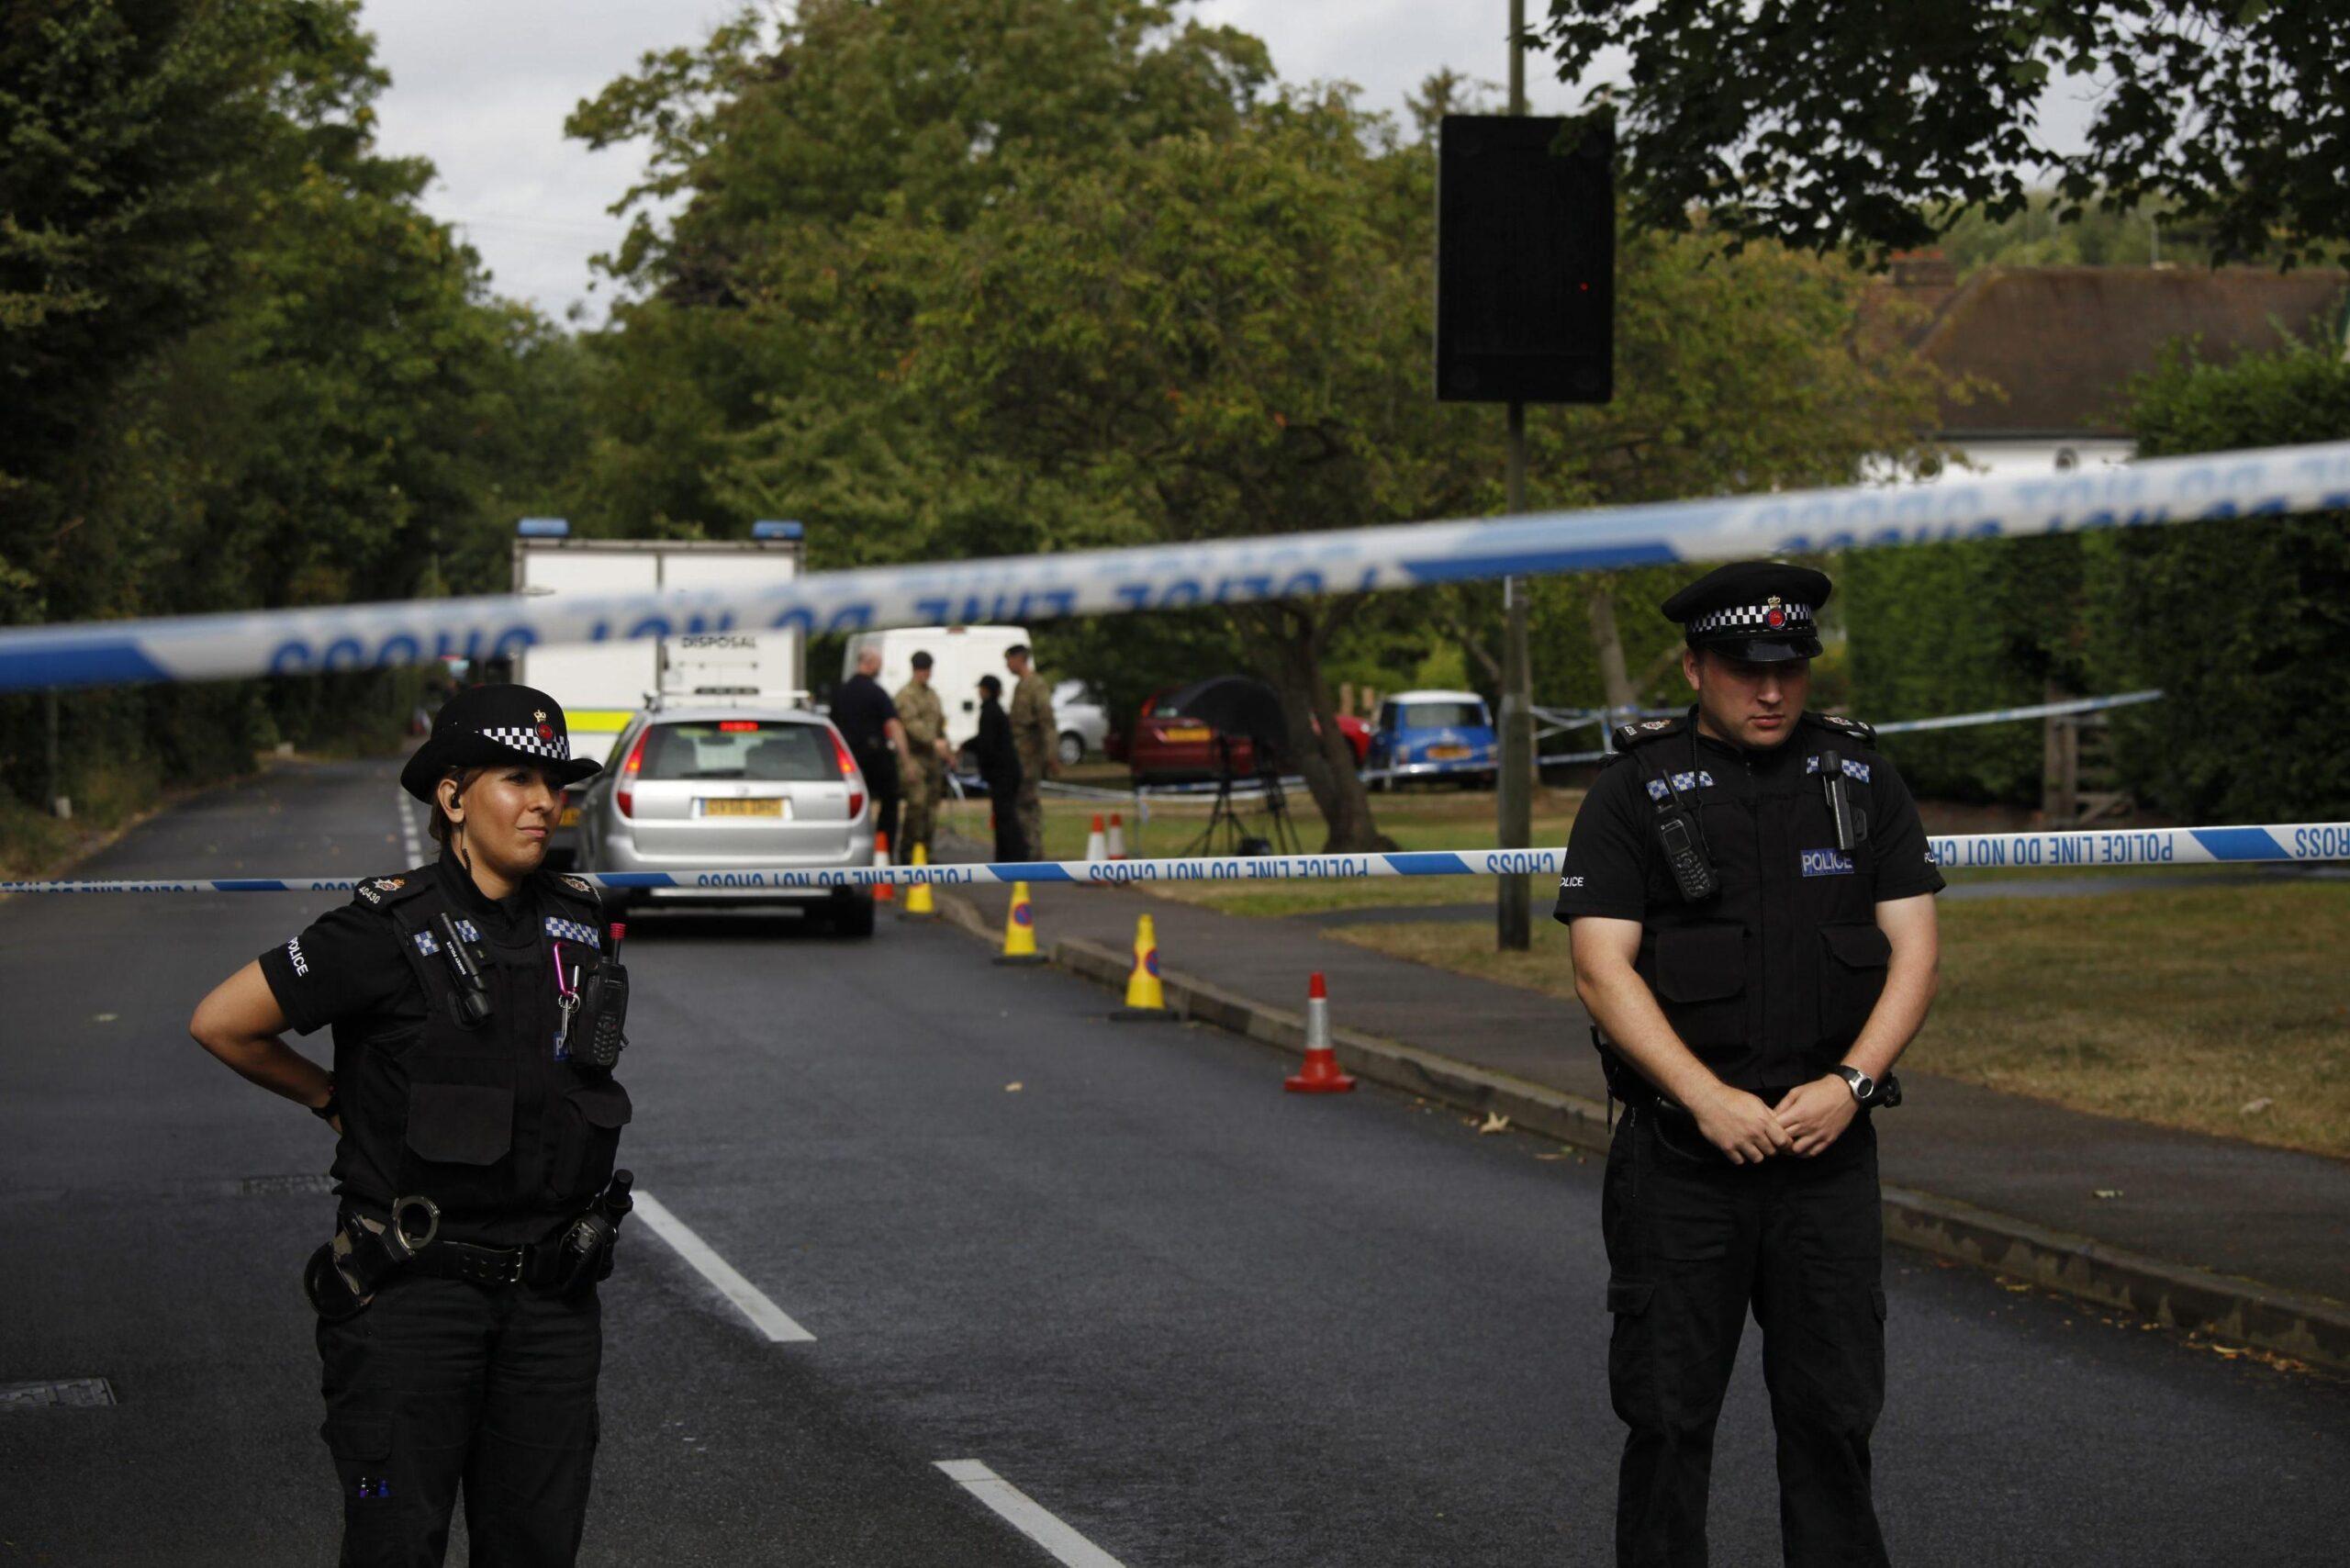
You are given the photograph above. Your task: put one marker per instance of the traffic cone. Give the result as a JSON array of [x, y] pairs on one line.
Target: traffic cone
[[1321, 1074], [1146, 998], [919, 903], [1117, 835], [883, 892], [1097, 847], [1019, 930]]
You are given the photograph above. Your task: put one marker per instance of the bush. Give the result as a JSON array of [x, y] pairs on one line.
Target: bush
[[2245, 624]]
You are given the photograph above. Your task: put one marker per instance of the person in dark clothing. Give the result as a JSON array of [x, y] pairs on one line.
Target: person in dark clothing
[[1749, 891], [460, 1333], [999, 760], [867, 721]]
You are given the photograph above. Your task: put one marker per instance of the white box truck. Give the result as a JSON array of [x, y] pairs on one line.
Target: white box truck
[[603, 684]]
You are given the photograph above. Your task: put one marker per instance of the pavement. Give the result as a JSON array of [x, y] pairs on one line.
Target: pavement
[[1197, 1321], [2245, 1241]]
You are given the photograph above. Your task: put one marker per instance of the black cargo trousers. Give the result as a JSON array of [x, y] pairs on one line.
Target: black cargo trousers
[[440, 1382], [1693, 1243]]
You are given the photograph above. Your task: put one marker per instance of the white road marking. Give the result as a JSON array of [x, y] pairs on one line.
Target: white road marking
[[1026, 1515], [414, 846], [766, 1317]]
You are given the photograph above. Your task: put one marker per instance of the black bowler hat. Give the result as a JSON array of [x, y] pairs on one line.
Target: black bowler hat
[[492, 725], [1763, 611]]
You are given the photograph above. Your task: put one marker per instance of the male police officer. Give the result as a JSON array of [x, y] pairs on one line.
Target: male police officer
[[1750, 895], [1038, 741], [925, 721]]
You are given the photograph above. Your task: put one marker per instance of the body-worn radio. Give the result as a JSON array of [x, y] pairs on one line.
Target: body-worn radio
[[1684, 843]]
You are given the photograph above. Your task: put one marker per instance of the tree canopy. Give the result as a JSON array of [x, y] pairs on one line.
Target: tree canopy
[[1863, 126]]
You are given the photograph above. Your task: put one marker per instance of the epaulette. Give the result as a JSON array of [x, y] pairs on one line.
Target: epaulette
[[1839, 725], [1645, 730], [382, 892], [565, 885]]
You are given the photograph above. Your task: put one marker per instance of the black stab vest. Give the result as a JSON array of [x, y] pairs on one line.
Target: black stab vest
[[510, 1141], [1768, 982]]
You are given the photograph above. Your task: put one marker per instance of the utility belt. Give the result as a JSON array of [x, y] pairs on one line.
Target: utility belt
[[343, 1276]]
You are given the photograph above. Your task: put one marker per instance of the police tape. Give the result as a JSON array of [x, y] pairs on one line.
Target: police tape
[[1107, 582], [2006, 715], [2271, 844]]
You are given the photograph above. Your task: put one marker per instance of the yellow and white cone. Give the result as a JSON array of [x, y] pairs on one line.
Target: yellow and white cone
[[1146, 997], [1019, 930], [919, 904]]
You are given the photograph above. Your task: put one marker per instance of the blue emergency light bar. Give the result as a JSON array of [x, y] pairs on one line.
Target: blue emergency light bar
[[544, 528], [772, 530]]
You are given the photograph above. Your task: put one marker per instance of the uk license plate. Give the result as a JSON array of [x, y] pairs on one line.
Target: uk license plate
[[1448, 753], [570, 817], [1185, 733], [770, 807]]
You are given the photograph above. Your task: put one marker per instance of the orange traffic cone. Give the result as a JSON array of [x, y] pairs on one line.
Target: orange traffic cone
[[884, 892], [1097, 847], [1117, 836], [1321, 1074], [1146, 997]]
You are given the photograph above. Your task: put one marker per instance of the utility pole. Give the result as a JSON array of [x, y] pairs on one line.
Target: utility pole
[[1513, 924]]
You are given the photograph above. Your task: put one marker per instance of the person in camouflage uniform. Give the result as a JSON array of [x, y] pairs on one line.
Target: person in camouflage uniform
[[924, 718], [1037, 738]]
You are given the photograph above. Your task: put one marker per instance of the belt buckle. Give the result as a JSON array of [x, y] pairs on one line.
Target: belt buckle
[[514, 1267]]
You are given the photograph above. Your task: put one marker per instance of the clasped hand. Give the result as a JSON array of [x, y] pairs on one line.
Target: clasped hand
[[1805, 1122]]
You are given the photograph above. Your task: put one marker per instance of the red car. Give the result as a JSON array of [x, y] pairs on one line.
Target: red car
[[1170, 745]]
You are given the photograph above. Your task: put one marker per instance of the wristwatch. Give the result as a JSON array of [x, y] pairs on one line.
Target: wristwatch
[[1863, 1086], [330, 1110]]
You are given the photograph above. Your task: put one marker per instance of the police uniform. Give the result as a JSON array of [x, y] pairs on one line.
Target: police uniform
[[460, 1332], [924, 718], [1035, 737], [1767, 980]]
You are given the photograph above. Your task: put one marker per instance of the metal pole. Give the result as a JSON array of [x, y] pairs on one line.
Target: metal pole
[[1512, 924]]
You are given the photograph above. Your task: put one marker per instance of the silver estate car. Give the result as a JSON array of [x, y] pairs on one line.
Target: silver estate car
[[743, 791]]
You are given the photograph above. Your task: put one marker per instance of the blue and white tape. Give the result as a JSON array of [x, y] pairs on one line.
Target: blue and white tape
[[2272, 843], [1107, 582], [2004, 715]]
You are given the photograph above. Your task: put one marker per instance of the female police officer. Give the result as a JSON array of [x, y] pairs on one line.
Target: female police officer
[[472, 1005]]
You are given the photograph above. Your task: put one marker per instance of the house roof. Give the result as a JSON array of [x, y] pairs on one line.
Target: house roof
[[2058, 346]]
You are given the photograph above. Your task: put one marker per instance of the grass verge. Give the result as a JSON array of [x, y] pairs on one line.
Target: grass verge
[[2224, 1010]]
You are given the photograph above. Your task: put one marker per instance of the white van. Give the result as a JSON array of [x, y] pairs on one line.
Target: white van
[[959, 656]]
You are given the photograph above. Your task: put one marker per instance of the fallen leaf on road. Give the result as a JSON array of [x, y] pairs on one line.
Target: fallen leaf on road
[[2254, 1107], [1495, 1123], [1012, 1088], [2107, 1193]]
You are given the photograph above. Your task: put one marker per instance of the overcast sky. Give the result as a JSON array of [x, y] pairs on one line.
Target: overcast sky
[[481, 87]]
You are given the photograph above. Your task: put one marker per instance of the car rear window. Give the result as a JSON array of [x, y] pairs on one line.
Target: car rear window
[[1441, 715], [740, 748]]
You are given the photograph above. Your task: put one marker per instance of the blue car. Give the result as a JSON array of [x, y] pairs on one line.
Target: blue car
[[1433, 734]]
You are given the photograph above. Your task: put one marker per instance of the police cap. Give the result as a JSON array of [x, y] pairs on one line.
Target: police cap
[[1763, 611], [489, 725]]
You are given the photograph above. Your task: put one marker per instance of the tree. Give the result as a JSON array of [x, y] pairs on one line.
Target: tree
[[1864, 125]]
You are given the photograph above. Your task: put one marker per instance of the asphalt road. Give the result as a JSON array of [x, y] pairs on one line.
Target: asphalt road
[[1198, 1320]]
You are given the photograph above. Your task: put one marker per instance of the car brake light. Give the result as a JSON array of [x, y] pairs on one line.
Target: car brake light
[[850, 776], [625, 792], [738, 726]]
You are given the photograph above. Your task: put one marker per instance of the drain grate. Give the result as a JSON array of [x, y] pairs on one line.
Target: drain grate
[[84, 1391], [279, 1186]]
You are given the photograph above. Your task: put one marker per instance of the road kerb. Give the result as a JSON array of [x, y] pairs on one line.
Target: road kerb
[[2290, 1323]]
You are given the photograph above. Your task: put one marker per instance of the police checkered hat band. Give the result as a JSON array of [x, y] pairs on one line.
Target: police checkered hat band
[[1753, 618], [544, 741]]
